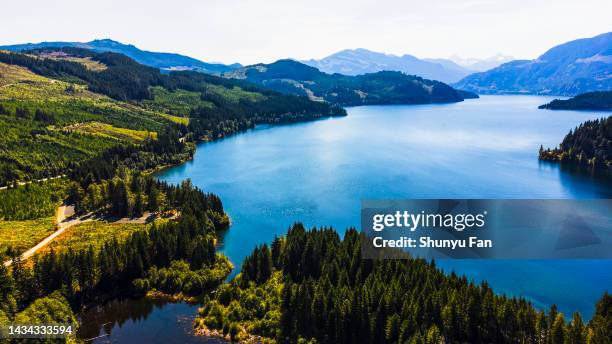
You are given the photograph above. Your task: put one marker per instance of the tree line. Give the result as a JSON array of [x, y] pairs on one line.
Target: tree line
[[601, 100], [126, 194], [589, 144]]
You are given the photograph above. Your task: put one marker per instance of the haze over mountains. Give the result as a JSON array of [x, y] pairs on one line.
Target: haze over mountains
[[481, 65], [579, 66], [362, 61], [164, 61], [347, 62], [575, 67]]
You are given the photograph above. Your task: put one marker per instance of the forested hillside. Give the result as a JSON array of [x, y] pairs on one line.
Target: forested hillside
[[105, 122], [313, 287], [60, 107], [589, 144], [292, 77], [587, 101]]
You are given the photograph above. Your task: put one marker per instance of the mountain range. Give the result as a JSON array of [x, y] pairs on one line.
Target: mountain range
[[575, 67], [363, 61], [385, 87], [163, 61]]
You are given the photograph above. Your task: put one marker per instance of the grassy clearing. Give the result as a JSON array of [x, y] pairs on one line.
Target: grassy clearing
[[176, 119], [13, 74], [32, 145], [107, 130], [87, 62], [69, 103], [236, 94], [22, 235], [94, 233]]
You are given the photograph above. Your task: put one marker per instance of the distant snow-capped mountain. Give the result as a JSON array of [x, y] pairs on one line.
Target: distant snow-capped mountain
[[363, 61]]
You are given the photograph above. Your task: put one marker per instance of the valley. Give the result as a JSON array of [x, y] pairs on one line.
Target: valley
[[121, 169]]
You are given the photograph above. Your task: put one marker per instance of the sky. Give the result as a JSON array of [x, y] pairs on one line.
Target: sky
[[266, 30]]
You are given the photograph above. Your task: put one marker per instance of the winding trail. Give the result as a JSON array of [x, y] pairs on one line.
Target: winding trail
[[34, 181], [63, 221]]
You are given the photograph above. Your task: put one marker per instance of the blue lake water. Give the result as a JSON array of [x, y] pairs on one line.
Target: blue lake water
[[317, 173]]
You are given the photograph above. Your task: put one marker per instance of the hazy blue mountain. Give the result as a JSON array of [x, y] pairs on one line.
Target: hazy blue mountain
[[450, 65], [165, 61], [363, 61], [385, 87], [571, 68], [481, 65]]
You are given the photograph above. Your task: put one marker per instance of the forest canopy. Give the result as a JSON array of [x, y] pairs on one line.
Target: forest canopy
[[58, 113], [314, 287]]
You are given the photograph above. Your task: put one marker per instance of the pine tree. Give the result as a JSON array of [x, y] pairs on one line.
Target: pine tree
[[392, 328], [138, 205], [264, 265], [541, 328], [120, 201], [576, 331], [557, 332], [601, 323], [7, 289], [153, 197], [276, 252]]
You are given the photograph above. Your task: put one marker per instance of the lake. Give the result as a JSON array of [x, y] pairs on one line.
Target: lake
[[317, 173]]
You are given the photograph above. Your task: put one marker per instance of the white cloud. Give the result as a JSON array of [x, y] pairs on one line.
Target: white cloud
[[263, 31]]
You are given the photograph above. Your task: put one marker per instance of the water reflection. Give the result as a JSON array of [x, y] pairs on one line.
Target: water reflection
[[584, 181], [140, 321]]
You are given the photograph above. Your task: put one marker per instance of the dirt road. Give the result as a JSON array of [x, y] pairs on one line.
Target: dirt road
[[65, 219], [34, 181], [63, 213]]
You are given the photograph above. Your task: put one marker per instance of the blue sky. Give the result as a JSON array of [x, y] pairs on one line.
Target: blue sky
[[266, 30]]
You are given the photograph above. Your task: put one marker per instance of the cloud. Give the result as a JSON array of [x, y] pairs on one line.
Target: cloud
[[265, 30]]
